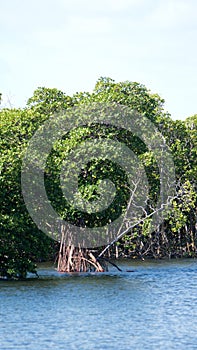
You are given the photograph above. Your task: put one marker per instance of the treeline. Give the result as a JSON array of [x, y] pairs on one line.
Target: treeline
[[21, 242]]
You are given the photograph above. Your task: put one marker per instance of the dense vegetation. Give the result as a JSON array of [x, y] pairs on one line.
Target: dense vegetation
[[21, 242]]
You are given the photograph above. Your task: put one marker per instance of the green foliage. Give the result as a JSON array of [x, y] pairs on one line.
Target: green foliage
[[49, 101], [183, 206], [22, 244], [127, 93]]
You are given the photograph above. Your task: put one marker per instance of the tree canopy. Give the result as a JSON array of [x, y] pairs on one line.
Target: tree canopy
[[22, 244]]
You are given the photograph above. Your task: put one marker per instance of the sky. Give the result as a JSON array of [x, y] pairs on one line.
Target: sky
[[69, 44]]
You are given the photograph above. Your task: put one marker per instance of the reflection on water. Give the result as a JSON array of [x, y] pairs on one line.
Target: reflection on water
[[153, 307]]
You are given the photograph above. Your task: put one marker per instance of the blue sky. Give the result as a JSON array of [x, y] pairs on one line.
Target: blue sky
[[69, 44]]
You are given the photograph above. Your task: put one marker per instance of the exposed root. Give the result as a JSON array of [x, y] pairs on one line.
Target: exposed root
[[72, 259]]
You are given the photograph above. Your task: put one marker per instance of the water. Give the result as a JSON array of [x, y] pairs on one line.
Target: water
[[153, 307]]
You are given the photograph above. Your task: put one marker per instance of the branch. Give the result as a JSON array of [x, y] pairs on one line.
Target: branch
[[132, 226]]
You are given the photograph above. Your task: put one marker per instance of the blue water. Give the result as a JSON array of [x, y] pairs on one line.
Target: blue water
[[153, 307]]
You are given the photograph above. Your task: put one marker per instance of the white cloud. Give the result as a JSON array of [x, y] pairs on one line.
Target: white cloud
[[98, 7], [69, 44], [87, 25], [171, 13]]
